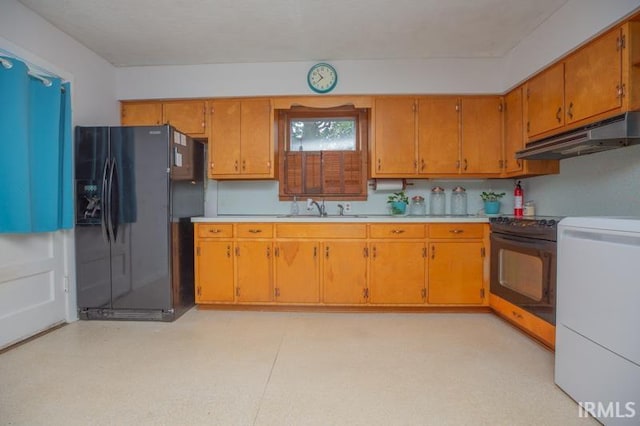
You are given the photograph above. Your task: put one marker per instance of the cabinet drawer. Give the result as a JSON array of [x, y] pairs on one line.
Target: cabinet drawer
[[318, 230], [215, 230], [254, 230], [456, 230], [398, 230]]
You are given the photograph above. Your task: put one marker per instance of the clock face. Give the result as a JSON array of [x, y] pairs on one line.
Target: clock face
[[322, 78]]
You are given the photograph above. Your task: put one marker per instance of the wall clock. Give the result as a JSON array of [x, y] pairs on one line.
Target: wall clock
[[322, 78]]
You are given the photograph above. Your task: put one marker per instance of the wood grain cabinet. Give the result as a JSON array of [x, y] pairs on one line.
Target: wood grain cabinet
[[344, 272], [188, 116], [214, 263], [545, 101], [297, 271], [241, 144], [456, 264], [515, 138], [437, 136], [254, 263], [398, 264]]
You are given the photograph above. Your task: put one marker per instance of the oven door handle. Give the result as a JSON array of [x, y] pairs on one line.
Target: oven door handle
[[522, 241]]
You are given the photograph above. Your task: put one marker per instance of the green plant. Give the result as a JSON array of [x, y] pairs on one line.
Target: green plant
[[491, 196], [398, 197]]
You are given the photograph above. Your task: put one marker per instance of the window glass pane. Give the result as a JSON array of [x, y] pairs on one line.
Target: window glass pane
[[323, 134]]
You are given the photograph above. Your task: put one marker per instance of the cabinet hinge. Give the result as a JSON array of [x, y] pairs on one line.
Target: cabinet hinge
[[500, 107], [277, 292], [197, 251], [482, 293], [527, 93], [621, 42], [528, 127], [501, 164], [423, 292], [237, 291], [457, 107], [482, 252], [199, 291], [365, 293]]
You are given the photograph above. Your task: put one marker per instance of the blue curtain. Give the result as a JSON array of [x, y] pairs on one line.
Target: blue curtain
[[36, 186]]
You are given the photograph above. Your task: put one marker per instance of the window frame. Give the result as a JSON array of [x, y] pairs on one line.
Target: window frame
[[284, 118]]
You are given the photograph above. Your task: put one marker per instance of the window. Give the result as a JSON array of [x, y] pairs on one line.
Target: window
[[323, 153]]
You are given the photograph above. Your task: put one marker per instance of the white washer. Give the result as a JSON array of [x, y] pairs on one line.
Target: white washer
[[598, 316]]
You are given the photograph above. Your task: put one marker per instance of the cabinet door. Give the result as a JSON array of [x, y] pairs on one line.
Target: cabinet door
[[256, 137], [224, 139], [593, 77], [545, 101], [438, 135], [187, 116], [397, 272], [297, 271], [481, 143], [141, 113], [513, 130], [395, 142], [456, 272], [344, 272], [253, 271], [214, 271]]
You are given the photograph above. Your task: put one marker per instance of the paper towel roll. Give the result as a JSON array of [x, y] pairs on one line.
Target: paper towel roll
[[391, 185]]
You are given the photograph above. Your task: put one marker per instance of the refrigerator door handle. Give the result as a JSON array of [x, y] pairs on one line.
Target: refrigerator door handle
[[105, 203], [113, 213]]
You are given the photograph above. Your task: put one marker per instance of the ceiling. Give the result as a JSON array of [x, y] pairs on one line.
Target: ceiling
[[181, 32]]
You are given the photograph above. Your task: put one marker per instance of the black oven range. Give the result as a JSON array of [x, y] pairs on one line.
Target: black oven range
[[523, 263]]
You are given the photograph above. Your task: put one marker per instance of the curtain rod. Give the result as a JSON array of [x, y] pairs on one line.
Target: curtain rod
[[8, 65]]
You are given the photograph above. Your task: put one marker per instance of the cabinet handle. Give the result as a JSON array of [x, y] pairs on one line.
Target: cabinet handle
[[433, 252], [255, 231], [375, 252], [570, 111], [558, 116], [315, 252], [276, 251], [397, 231], [379, 164], [517, 315], [365, 252], [326, 252], [235, 165], [229, 251], [422, 165], [237, 251], [415, 165], [519, 163], [465, 165], [456, 231], [215, 231], [620, 90], [424, 252], [268, 253], [244, 165]]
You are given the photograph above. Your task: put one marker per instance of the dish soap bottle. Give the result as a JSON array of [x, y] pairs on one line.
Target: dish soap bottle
[[295, 210]]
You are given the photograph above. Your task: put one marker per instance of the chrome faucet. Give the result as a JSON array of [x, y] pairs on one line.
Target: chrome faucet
[[340, 209], [321, 209]]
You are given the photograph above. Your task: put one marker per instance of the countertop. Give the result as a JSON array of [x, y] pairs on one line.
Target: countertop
[[364, 218]]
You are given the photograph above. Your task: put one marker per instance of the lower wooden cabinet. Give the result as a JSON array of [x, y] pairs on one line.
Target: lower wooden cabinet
[[397, 272], [341, 264], [531, 324], [344, 272], [297, 270], [214, 271]]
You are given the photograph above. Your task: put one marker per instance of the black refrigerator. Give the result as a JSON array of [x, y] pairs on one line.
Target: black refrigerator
[[136, 191]]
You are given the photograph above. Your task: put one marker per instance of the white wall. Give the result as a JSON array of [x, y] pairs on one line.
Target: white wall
[[602, 184], [35, 267]]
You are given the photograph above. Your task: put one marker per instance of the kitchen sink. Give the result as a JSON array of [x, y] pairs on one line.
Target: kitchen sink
[[331, 216]]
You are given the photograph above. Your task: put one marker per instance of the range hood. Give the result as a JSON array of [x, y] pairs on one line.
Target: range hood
[[616, 132]]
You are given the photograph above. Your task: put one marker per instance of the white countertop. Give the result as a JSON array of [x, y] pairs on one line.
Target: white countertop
[[365, 218]]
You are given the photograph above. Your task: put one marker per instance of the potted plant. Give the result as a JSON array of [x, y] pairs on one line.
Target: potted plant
[[491, 201], [398, 202]]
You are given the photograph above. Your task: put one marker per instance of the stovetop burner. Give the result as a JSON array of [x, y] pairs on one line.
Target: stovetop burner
[[539, 227]]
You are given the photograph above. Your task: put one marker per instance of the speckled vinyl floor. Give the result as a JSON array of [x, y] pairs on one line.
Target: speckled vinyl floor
[[274, 368]]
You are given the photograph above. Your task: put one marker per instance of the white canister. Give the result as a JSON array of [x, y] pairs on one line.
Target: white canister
[[529, 209]]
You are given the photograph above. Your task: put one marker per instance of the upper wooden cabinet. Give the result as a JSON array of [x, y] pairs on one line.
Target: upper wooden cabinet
[[437, 136], [394, 149], [241, 139], [595, 82], [188, 116], [515, 138]]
